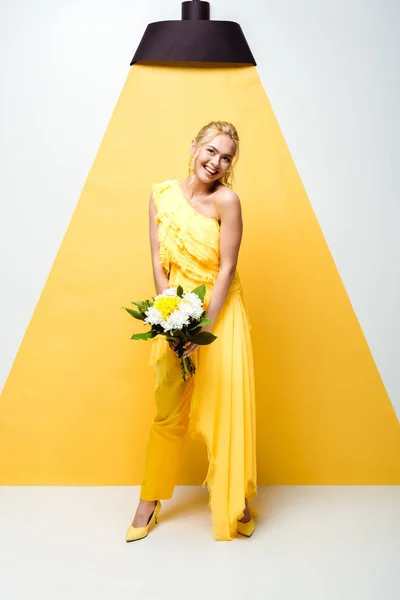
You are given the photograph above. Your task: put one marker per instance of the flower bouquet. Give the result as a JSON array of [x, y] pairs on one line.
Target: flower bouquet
[[177, 315]]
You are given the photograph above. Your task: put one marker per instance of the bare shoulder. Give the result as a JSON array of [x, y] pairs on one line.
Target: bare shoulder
[[227, 201]]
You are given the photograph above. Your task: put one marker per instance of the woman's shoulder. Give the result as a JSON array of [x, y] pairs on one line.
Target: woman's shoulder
[[163, 185], [163, 192], [159, 191], [226, 197]]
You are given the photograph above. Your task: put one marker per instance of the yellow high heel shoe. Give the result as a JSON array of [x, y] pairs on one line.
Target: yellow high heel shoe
[[247, 529], [138, 533]]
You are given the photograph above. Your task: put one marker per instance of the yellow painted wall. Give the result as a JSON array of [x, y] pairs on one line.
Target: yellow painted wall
[[78, 401]]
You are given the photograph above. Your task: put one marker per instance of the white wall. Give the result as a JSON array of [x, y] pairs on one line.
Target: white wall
[[331, 72]]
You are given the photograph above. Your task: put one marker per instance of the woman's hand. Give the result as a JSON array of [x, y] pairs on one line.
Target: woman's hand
[[189, 346], [173, 345]]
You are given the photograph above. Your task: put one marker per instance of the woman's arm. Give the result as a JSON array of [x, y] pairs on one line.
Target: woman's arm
[[161, 281], [231, 231]]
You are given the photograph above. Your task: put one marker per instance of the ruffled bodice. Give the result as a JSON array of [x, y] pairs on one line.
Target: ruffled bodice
[[189, 241]]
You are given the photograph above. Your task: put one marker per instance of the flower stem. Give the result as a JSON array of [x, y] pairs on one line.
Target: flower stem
[[187, 367]]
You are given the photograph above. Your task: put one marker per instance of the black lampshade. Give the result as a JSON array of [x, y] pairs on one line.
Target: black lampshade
[[194, 39]]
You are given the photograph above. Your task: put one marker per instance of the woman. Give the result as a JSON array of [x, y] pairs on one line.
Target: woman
[[195, 235]]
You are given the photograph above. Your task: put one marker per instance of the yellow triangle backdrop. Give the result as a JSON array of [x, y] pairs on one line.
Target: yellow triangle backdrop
[[78, 402]]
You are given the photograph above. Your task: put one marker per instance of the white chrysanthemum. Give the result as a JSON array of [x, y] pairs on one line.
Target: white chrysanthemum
[[169, 292], [191, 305], [153, 316], [192, 297], [176, 320]]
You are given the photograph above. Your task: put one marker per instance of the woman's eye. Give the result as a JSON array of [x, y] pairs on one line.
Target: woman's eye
[[210, 150]]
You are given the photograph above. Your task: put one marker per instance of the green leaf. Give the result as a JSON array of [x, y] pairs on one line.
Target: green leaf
[[203, 338], [192, 332], [200, 291], [179, 334], [190, 335], [203, 322], [196, 327], [134, 313], [179, 291], [143, 305], [144, 336], [171, 338]]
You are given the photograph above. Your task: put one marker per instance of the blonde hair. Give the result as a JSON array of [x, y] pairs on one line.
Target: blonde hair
[[205, 135]]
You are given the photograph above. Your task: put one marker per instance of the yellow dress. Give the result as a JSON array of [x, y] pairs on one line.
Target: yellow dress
[[217, 405]]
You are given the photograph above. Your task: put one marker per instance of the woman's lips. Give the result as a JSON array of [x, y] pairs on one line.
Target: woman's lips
[[209, 172]]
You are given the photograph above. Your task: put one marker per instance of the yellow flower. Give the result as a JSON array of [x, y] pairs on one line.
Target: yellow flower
[[167, 305]]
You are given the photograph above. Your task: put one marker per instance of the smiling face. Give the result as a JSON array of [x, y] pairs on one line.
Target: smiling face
[[215, 158]]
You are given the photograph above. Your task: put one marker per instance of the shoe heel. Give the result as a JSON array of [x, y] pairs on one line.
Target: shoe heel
[[156, 511]]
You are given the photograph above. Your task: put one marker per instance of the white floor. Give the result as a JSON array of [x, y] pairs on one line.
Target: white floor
[[324, 543]]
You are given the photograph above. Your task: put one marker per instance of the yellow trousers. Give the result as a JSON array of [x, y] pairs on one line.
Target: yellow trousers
[[215, 406], [168, 428]]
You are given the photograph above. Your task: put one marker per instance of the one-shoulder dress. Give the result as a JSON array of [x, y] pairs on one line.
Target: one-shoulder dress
[[222, 405]]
